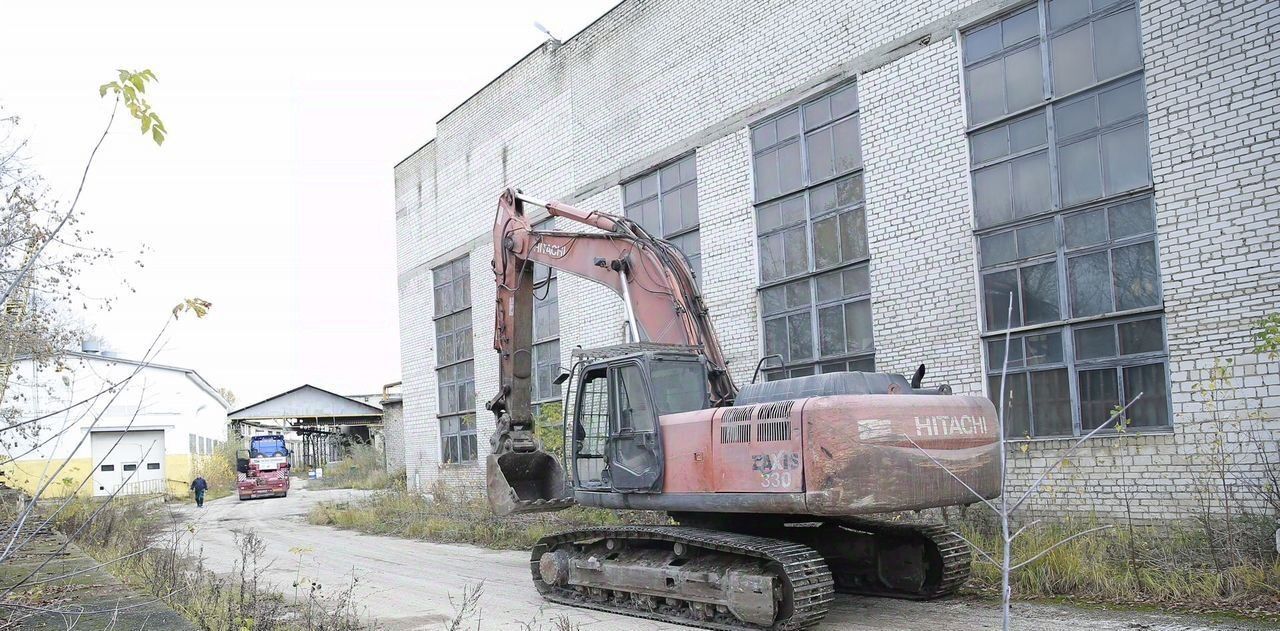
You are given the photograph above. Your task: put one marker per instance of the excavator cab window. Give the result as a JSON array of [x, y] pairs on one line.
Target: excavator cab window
[[616, 442]]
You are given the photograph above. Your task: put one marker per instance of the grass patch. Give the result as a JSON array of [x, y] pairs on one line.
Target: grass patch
[[363, 468], [170, 571], [450, 516], [1181, 565]]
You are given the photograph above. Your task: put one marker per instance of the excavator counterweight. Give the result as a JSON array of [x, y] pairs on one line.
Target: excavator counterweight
[[775, 487]]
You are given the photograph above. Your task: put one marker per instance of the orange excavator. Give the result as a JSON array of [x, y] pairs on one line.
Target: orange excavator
[[780, 491]]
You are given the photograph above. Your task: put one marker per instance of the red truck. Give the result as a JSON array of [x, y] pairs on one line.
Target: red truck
[[265, 470]]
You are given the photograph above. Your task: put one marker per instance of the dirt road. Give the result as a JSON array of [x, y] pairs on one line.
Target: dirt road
[[408, 584]]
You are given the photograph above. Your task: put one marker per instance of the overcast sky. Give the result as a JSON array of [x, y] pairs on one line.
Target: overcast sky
[[273, 196]]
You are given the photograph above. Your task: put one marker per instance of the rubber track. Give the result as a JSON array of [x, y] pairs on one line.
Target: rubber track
[[955, 552], [807, 576]]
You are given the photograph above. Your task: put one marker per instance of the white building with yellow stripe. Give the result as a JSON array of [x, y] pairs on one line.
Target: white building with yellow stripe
[[97, 424]]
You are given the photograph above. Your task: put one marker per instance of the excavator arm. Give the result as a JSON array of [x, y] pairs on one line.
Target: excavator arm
[[662, 304]]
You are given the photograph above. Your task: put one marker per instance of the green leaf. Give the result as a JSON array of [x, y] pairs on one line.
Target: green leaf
[[146, 124], [124, 74], [137, 83], [157, 135], [102, 89]]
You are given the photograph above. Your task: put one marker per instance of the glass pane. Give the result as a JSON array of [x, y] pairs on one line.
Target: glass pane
[[689, 168], [991, 195], [998, 248], [649, 185], [990, 144], [849, 190], [1099, 393], [995, 354], [1040, 293], [985, 85], [833, 367], [771, 262], [819, 150], [768, 217], [1096, 342], [1075, 117], [1023, 79], [853, 235], [1037, 239], [844, 102], [1045, 348], [847, 147], [1063, 12], [790, 169], [801, 372], [857, 280], [822, 199], [1120, 103], [1152, 410], [1031, 184], [1080, 173], [1131, 218], [1012, 403], [1085, 228], [1124, 159], [775, 338], [863, 364], [831, 331], [1051, 402], [996, 290], [1088, 279], [1021, 27], [826, 242], [1027, 133], [800, 336], [817, 113], [1116, 44], [798, 294], [1136, 276], [829, 287], [763, 135], [793, 210], [789, 125], [766, 173], [795, 251], [1143, 336], [1070, 55], [857, 325], [670, 176], [982, 42], [773, 300], [672, 217]]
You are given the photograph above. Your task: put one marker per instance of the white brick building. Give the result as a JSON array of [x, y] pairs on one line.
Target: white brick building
[[865, 183]]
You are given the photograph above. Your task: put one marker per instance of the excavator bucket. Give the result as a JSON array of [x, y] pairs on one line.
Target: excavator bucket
[[526, 482]]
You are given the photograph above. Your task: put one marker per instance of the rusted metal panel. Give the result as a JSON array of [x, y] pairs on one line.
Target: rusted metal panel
[[758, 448], [859, 456], [686, 442]]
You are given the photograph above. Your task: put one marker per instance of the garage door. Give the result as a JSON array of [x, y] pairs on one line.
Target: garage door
[[137, 462]]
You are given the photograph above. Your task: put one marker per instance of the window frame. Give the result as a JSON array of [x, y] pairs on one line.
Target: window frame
[[661, 192], [1058, 212], [463, 313], [546, 283], [812, 272]]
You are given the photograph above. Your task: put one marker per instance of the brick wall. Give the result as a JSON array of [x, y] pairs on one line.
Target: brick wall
[[654, 80]]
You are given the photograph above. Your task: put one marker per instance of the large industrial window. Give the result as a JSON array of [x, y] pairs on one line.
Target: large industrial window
[[815, 292], [455, 370], [1064, 216], [665, 202], [546, 333]]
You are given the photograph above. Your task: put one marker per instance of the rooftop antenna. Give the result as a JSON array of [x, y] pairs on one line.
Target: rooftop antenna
[[551, 38]]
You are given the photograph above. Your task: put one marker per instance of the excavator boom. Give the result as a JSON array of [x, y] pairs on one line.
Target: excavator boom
[[661, 300]]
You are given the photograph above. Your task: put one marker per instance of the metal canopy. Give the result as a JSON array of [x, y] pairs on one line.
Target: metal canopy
[[308, 404]]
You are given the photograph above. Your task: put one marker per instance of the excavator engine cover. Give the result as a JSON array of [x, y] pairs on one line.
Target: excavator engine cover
[[526, 482]]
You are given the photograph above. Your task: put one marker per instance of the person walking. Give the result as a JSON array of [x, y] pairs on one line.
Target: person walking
[[199, 486]]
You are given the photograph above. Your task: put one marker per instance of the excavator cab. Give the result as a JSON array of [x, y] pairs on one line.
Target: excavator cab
[[613, 438]]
